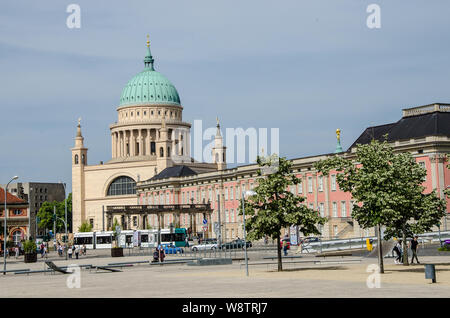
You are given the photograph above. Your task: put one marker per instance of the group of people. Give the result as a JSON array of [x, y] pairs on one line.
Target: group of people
[[158, 255], [16, 250], [398, 249], [77, 250], [60, 248]]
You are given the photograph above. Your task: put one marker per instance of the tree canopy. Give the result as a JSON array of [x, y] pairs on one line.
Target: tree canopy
[[85, 227], [388, 189], [274, 207], [45, 215]]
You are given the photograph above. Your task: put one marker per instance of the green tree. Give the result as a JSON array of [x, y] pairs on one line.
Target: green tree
[[85, 227], [274, 207], [411, 211], [45, 215], [388, 191]]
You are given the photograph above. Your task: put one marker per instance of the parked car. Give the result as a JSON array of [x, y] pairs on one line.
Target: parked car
[[172, 249], [447, 244], [235, 244], [206, 245], [311, 239]]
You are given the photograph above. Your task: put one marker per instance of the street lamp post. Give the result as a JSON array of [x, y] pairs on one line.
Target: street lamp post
[[5, 235], [65, 218], [243, 216]]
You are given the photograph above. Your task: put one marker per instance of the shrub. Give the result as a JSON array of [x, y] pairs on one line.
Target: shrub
[[85, 227], [29, 247]]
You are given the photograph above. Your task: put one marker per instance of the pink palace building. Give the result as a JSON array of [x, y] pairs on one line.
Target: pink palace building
[[424, 131]]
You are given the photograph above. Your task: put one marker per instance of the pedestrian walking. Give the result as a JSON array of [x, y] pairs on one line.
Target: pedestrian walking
[[77, 251], [42, 249], [155, 256], [398, 250], [44, 254], [414, 246], [84, 249], [161, 255], [69, 251], [16, 252], [285, 247]]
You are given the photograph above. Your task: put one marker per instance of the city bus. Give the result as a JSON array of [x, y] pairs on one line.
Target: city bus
[[130, 238], [178, 237]]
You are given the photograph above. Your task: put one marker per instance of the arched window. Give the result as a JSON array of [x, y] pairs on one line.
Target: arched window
[[217, 157], [17, 236], [83, 159], [161, 152], [76, 159], [121, 186], [168, 151]]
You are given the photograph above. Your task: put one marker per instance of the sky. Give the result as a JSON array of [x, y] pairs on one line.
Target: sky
[[305, 67]]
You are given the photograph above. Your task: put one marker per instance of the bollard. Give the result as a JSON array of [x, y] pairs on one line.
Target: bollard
[[430, 272]]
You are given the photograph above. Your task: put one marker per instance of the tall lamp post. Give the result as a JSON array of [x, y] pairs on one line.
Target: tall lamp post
[[244, 194], [5, 235], [65, 218]]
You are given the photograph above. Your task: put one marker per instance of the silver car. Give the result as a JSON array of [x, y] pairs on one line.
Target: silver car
[[204, 246]]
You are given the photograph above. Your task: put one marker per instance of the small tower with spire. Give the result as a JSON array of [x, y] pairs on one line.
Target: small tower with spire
[[219, 150], [148, 60], [79, 161], [338, 146]]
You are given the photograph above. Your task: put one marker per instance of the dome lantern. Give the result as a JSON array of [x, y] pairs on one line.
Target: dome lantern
[[149, 87]]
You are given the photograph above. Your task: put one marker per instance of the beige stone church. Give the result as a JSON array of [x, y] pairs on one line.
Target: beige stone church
[[149, 136]]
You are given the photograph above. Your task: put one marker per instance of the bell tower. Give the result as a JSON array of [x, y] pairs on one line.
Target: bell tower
[[219, 150], [79, 161]]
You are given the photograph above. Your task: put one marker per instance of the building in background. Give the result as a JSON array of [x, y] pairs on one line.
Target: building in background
[[151, 165], [18, 217], [423, 131], [36, 193]]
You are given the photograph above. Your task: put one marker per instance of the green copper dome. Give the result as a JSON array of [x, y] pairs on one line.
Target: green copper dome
[[149, 87]]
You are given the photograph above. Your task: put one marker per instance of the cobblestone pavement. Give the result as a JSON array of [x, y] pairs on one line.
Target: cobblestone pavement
[[337, 277]]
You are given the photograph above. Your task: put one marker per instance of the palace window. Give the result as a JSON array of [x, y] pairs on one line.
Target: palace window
[[310, 187], [343, 209], [333, 182], [121, 186], [335, 210], [423, 165], [320, 183]]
